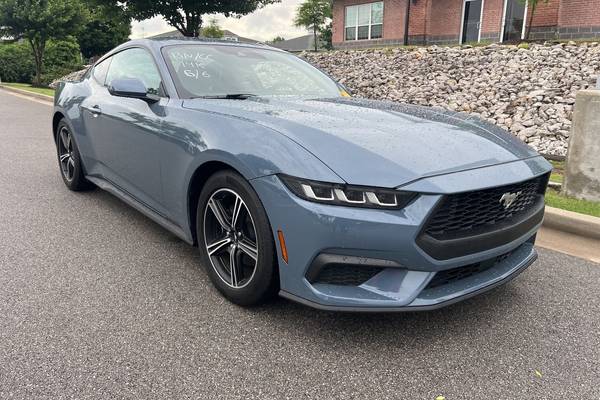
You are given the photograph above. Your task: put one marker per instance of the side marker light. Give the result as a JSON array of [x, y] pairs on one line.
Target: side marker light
[[284, 253]]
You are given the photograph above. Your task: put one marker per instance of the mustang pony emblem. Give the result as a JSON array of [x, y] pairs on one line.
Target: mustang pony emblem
[[508, 199]]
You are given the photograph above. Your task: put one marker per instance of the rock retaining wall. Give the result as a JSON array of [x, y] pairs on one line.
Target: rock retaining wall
[[529, 91], [72, 77]]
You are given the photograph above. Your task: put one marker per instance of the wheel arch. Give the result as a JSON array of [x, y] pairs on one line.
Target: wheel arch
[[197, 181], [58, 116]]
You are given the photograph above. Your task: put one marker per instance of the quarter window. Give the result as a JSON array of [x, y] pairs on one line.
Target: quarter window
[[135, 63], [364, 21], [100, 71]]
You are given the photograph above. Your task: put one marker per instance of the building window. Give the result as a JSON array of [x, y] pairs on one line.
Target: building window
[[514, 20], [364, 21]]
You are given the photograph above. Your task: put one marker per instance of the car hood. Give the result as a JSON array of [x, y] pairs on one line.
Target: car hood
[[378, 143]]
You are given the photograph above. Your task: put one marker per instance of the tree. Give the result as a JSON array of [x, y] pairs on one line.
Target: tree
[[186, 15], [313, 15], [327, 36], [213, 30], [61, 58], [532, 7], [278, 39], [38, 21], [107, 27]]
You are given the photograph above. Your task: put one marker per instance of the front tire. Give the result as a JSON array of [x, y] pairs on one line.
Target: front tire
[[69, 160], [235, 240]]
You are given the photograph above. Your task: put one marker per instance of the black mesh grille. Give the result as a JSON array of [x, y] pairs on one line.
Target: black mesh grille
[[346, 275], [460, 214], [456, 274]]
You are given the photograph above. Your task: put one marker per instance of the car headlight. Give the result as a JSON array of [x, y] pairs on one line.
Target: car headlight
[[347, 195]]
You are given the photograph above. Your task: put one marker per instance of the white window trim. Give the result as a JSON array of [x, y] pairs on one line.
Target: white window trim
[[356, 26], [523, 30], [462, 21]]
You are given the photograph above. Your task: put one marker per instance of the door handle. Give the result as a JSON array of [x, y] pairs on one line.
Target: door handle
[[95, 110]]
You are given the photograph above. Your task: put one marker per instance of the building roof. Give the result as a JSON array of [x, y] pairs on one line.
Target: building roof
[[227, 35], [298, 44]]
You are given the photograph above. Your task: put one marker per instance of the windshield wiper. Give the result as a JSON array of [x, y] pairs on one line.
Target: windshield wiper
[[229, 96]]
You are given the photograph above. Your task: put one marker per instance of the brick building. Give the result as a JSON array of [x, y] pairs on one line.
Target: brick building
[[363, 23]]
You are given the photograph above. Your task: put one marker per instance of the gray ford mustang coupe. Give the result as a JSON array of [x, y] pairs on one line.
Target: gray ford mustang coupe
[[288, 186]]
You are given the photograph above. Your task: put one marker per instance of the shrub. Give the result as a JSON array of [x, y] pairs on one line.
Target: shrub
[[16, 61], [61, 58]]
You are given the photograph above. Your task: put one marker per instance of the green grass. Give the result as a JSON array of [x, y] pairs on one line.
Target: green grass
[[558, 172], [557, 200], [29, 88], [557, 178], [558, 165]]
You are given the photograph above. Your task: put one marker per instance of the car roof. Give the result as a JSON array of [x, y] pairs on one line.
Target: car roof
[[158, 43]]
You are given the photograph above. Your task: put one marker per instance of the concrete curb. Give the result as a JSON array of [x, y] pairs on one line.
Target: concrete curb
[[555, 185], [571, 222], [38, 96]]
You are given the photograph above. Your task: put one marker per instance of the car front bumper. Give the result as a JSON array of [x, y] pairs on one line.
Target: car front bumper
[[404, 276]]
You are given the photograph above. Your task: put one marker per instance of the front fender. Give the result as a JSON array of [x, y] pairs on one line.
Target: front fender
[[67, 99], [192, 138]]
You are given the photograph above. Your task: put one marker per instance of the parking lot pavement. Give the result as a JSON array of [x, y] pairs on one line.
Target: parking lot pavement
[[97, 301]]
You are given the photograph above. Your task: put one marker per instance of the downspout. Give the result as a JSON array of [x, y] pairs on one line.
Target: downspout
[[406, 22], [426, 22]]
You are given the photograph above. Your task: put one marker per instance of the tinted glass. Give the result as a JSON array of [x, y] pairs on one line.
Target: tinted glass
[[215, 70], [135, 63], [515, 14], [363, 32], [350, 33], [376, 31], [100, 71]]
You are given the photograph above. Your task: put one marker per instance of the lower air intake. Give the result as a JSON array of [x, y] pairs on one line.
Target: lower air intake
[[457, 274], [346, 275]]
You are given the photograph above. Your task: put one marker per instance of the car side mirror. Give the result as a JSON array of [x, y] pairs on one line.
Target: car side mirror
[[132, 88]]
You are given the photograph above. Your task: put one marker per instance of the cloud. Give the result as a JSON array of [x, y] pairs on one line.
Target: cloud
[[264, 24]]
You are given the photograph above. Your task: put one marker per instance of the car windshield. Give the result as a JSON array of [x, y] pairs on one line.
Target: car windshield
[[239, 72]]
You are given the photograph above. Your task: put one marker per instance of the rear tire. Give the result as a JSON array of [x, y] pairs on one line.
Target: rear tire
[[69, 160], [233, 229]]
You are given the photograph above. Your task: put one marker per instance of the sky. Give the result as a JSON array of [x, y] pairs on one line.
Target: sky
[[264, 24]]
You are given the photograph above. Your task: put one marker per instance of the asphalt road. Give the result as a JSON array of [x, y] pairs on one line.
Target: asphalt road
[[97, 301]]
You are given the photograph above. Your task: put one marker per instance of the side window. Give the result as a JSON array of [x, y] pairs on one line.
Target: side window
[[135, 63], [100, 71]]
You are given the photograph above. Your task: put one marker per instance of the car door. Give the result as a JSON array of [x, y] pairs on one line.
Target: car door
[[88, 147], [124, 131]]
